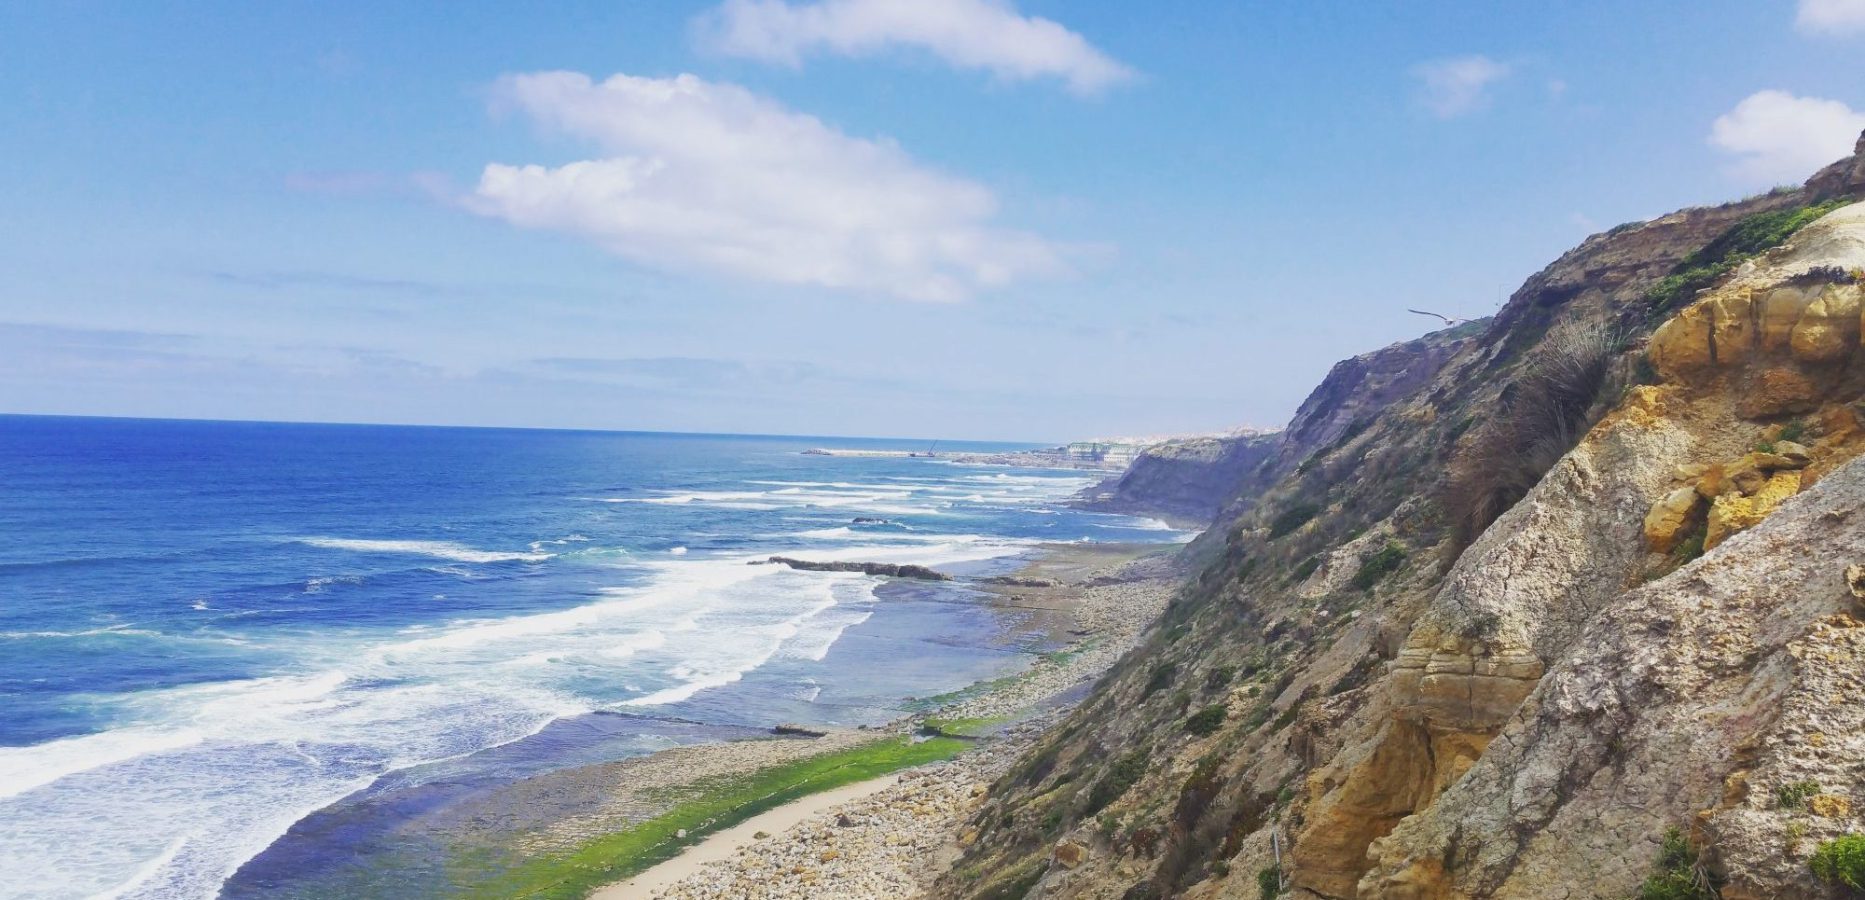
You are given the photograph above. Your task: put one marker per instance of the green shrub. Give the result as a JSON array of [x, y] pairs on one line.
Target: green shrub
[[1219, 677], [1307, 568], [1842, 860], [1677, 877], [1796, 795], [1292, 518], [1207, 720], [1746, 239], [1794, 431], [1162, 676], [1122, 775], [1378, 566], [1269, 882]]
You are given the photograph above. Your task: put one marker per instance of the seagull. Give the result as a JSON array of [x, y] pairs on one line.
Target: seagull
[[1448, 321]]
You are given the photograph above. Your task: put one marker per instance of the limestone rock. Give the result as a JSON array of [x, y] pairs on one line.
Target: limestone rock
[[1732, 513], [1855, 581], [1634, 730], [1669, 517], [1070, 854]]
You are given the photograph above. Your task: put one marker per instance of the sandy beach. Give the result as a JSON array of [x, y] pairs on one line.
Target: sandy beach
[[721, 845], [891, 836]]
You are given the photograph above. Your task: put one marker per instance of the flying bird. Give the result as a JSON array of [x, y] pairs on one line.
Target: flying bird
[[1448, 321]]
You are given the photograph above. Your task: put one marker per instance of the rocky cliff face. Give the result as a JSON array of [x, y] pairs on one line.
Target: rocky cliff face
[[1405, 672], [1199, 482], [1184, 482]]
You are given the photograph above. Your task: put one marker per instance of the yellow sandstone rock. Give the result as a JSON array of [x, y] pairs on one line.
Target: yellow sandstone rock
[[1830, 806], [1777, 390], [1682, 345], [1732, 330], [1780, 312], [1829, 329], [1732, 513], [1714, 482], [1669, 517]]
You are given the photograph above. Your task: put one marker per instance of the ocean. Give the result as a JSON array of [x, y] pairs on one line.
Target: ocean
[[211, 630]]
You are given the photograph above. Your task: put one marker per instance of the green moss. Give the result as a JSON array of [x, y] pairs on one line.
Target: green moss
[[1378, 566], [720, 804], [964, 727], [1207, 720], [1842, 860]]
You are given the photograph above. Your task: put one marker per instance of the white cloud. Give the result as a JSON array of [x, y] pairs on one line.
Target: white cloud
[[1454, 87], [1780, 138], [1831, 17], [708, 176], [969, 34]]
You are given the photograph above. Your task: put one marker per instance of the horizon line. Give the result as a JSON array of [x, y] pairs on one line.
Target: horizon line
[[567, 429]]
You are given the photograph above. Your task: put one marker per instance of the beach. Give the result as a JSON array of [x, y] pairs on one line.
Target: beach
[[890, 836]]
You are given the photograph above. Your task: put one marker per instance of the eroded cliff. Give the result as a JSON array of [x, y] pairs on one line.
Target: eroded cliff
[[1493, 621]]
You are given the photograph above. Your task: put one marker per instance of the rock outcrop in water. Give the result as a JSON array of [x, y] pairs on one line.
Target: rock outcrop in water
[[889, 570], [1503, 607]]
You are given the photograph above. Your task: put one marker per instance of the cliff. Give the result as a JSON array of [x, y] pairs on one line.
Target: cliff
[[1199, 482], [1553, 605], [1183, 481]]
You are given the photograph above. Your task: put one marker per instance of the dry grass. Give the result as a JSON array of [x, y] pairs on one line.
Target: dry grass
[[1540, 417]]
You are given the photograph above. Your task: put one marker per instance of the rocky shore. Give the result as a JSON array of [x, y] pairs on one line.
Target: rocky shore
[[895, 841]]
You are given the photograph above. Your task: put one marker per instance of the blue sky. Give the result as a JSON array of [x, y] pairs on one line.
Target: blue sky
[[965, 218]]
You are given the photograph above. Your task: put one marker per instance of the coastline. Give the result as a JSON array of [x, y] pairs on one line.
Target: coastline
[[890, 835], [531, 819]]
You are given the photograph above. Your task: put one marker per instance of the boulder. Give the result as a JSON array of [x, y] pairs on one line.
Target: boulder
[[1796, 454], [1070, 854], [1732, 513], [1681, 346], [1669, 517], [1732, 327], [1828, 330]]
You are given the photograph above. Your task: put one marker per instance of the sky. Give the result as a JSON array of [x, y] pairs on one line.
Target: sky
[[1027, 220]]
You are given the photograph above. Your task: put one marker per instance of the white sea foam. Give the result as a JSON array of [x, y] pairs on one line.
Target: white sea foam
[[208, 775], [435, 549], [25, 768]]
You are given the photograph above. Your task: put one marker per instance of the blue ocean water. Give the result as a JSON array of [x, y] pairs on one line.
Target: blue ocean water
[[210, 630]]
